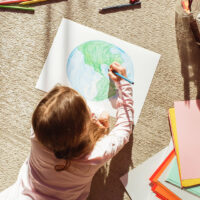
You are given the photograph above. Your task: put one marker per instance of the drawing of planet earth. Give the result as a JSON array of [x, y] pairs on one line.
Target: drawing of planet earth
[[87, 69]]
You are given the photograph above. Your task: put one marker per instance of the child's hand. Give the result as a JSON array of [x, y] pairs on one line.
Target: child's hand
[[118, 68], [103, 119]]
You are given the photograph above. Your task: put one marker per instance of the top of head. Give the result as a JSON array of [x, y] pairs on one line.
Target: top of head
[[60, 118]]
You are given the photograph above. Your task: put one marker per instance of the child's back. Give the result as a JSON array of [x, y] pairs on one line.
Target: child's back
[[72, 183], [65, 156]]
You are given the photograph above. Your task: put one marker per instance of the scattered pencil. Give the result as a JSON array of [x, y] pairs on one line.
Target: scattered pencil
[[130, 5], [31, 2], [11, 2], [185, 5], [17, 7], [133, 1]]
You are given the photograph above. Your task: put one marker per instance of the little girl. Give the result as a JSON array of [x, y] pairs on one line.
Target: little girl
[[68, 145]]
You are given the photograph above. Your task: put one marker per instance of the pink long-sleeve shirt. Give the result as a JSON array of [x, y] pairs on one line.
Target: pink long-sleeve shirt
[[38, 180]]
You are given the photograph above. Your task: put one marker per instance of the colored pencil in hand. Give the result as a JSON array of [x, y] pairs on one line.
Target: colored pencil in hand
[[123, 77]]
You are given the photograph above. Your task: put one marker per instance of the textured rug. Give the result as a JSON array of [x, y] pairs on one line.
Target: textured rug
[[25, 40]]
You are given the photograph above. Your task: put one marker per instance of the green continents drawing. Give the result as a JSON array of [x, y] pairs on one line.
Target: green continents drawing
[[87, 69]]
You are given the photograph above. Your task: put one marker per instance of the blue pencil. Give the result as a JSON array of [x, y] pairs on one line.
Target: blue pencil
[[131, 82]]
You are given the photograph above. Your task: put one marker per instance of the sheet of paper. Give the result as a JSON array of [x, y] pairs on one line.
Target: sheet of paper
[[80, 57], [158, 187], [136, 181], [163, 193], [172, 120], [183, 194], [173, 178], [188, 128]]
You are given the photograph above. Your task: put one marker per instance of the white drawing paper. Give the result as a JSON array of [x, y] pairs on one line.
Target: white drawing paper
[[80, 57]]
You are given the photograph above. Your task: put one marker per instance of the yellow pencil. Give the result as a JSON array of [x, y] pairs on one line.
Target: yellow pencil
[[31, 2]]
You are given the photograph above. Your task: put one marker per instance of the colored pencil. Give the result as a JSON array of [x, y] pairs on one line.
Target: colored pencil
[[123, 77], [16, 7], [12, 1], [185, 5], [32, 1], [119, 6]]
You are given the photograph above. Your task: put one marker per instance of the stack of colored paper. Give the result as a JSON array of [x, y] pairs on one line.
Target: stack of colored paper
[[178, 177], [165, 182], [174, 172], [136, 181], [158, 187]]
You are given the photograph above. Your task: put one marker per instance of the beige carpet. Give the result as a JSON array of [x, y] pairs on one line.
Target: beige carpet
[[25, 40]]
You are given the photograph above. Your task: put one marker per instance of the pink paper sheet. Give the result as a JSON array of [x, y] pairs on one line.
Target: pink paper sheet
[[188, 131]]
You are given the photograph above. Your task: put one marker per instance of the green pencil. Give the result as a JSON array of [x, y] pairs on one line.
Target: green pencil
[[17, 7]]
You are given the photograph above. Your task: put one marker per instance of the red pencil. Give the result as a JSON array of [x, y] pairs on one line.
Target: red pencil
[[185, 5], [12, 1]]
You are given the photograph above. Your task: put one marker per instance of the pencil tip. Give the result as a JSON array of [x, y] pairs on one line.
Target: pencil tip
[[101, 10]]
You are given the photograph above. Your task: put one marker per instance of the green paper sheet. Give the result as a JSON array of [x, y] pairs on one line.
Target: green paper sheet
[[173, 177]]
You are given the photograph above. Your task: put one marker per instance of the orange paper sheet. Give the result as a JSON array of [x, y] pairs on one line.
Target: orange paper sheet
[[160, 192], [158, 188]]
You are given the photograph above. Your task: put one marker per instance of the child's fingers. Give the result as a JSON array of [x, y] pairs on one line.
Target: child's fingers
[[112, 76], [104, 119], [104, 115], [99, 124], [104, 122], [118, 68], [115, 66], [115, 63]]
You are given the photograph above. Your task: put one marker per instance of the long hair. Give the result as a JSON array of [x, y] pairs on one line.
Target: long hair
[[62, 123]]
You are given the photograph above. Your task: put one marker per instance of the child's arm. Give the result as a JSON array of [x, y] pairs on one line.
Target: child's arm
[[112, 143]]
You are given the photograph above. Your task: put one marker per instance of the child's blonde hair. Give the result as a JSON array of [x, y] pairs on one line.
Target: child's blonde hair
[[62, 123]]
